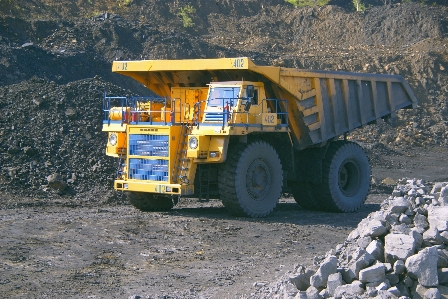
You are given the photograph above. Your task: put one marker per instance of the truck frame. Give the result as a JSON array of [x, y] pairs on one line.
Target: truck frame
[[227, 128]]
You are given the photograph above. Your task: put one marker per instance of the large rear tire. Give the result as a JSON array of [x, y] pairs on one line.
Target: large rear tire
[[346, 178], [149, 202], [251, 179]]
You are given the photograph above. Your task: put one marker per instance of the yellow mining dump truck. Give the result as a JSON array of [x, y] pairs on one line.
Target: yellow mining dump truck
[[229, 129]]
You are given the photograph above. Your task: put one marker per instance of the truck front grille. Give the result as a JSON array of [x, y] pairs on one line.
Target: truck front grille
[[148, 145], [151, 168]]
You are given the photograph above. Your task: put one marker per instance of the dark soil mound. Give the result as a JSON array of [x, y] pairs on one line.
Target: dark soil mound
[[53, 129]]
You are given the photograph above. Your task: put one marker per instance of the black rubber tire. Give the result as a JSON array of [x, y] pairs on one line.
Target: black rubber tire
[[251, 179], [149, 202], [346, 178], [304, 195]]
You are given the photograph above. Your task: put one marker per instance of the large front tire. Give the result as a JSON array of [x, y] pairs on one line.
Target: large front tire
[[346, 178], [251, 179], [149, 202]]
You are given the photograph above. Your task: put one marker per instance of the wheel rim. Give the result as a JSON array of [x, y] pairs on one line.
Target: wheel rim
[[258, 179], [348, 178]]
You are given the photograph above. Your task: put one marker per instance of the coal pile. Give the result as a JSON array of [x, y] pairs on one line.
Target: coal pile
[[51, 139]]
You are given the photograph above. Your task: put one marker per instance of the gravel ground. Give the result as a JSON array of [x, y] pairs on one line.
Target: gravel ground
[[195, 251]]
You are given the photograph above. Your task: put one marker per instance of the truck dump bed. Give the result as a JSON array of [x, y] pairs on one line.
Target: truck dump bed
[[321, 105]]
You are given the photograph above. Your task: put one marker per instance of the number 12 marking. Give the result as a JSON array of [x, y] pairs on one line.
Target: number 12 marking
[[269, 119]]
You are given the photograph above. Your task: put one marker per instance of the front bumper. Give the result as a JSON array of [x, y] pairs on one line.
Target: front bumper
[[153, 187]]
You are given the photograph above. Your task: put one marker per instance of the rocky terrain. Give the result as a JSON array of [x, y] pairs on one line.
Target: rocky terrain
[[399, 251], [55, 65]]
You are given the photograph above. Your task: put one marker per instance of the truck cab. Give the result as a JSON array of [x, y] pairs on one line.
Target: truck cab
[[239, 103]]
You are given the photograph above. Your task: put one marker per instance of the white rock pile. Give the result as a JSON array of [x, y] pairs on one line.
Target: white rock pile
[[400, 251]]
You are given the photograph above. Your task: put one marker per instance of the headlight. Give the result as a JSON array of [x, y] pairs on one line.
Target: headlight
[[193, 142], [214, 154], [113, 139]]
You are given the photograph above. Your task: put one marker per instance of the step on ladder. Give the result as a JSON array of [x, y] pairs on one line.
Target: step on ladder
[[180, 171], [121, 165]]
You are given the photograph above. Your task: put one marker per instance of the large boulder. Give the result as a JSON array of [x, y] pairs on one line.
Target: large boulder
[[334, 281], [327, 267], [56, 182], [375, 273], [361, 260], [352, 290], [398, 247], [423, 266], [376, 249], [438, 217], [301, 278]]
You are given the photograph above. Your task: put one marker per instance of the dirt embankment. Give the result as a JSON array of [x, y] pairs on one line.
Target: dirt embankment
[[65, 54]]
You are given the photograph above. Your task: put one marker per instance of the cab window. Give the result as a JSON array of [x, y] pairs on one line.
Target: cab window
[[222, 96]]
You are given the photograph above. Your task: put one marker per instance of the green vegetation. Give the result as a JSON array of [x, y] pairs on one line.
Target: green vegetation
[[423, 2], [302, 3], [185, 13], [359, 6], [123, 2]]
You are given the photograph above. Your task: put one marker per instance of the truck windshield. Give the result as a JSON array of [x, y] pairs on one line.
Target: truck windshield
[[222, 96]]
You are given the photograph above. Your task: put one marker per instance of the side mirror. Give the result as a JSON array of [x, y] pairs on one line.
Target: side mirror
[[247, 106]]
